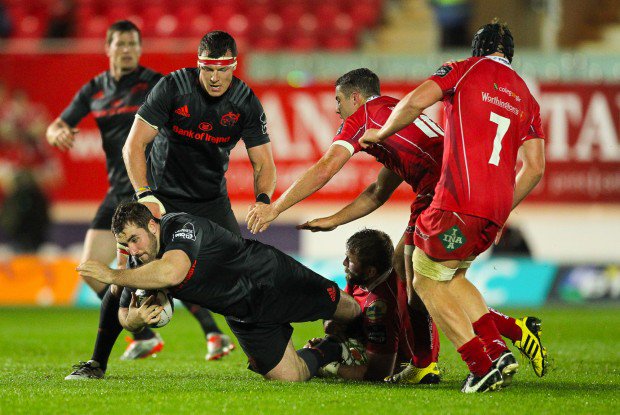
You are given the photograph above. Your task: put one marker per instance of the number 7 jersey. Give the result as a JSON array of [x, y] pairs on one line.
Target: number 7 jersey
[[490, 113]]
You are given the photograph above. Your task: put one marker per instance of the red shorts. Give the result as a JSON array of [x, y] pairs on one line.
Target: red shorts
[[417, 207], [444, 235]]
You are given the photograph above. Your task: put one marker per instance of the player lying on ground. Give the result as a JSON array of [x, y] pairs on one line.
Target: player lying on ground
[[384, 328], [259, 289]]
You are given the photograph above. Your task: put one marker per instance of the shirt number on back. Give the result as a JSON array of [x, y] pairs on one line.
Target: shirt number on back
[[503, 124]]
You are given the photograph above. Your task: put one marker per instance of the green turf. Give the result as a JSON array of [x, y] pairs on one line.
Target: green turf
[[38, 346]]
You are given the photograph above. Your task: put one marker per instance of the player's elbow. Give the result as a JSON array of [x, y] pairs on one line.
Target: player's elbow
[[536, 168]]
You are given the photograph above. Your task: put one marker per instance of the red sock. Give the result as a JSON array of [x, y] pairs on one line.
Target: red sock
[[425, 338], [506, 325], [476, 358], [492, 340]]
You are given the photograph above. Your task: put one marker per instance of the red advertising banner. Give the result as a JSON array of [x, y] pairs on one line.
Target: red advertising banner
[[582, 122]]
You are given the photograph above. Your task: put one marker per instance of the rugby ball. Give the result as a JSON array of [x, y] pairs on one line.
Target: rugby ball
[[162, 298]]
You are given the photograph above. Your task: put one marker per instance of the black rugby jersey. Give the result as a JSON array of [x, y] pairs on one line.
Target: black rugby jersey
[[190, 155], [228, 273], [113, 105]]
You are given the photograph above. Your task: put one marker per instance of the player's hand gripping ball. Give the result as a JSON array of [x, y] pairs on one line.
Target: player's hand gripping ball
[[162, 298]]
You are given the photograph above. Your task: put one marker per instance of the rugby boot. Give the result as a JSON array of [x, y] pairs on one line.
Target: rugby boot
[[415, 375], [507, 366], [139, 349], [218, 346], [86, 370], [531, 346], [491, 381]]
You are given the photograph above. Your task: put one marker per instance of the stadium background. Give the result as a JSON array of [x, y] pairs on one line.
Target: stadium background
[[290, 54]]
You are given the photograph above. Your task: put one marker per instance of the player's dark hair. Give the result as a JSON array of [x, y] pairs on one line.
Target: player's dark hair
[[372, 247], [491, 38], [216, 43], [122, 26], [363, 80], [130, 212]]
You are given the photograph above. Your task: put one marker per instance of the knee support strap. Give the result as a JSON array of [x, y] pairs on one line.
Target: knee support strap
[[422, 264]]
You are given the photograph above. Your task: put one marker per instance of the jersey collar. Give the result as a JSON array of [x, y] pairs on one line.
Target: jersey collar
[[500, 59], [379, 280]]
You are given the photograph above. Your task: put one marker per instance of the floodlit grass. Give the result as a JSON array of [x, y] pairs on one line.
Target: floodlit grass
[[38, 347]]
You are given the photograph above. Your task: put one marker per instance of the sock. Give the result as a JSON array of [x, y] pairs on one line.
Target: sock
[[476, 358], [506, 325], [325, 352], [204, 317], [109, 329], [145, 334], [490, 337], [101, 293], [425, 338]]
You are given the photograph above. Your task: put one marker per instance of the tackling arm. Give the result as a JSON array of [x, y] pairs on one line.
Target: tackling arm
[[367, 202], [260, 216], [407, 110], [264, 168], [168, 271]]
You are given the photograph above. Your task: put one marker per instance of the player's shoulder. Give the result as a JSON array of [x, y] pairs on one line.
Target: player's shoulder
[[182, 80], [149, 75], [99, 80], [240, 92]]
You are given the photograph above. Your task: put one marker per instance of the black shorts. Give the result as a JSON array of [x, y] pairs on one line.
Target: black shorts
[[295, 294], [218, 210], [103, 217]]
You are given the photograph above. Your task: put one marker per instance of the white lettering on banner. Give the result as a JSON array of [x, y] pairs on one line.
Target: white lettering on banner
[[87, 147], [598, 129], [560, 109], [311, 124]]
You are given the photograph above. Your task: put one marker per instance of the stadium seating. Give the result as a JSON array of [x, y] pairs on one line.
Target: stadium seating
[[298, 25]]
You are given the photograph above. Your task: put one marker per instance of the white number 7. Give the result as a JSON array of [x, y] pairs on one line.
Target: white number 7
[[503, 124]]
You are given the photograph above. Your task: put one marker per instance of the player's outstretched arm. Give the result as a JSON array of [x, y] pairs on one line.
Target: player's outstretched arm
[[60, 134], [260, 216], [533, 156], [407, 110], [168, 271], [375, 195]]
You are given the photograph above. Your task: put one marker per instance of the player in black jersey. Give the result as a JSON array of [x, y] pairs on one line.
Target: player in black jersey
[[258, 288], [113, 97], [193, 118]]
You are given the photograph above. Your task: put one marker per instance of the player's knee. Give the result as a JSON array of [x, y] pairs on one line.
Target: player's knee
[[426, 267]]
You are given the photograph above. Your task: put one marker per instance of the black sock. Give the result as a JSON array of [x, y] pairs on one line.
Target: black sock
[[145, 334], [204, 317], [109, 329], [101, 293], [327, 351]]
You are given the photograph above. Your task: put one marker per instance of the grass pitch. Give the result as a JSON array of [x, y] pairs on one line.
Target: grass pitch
[[38, 347]]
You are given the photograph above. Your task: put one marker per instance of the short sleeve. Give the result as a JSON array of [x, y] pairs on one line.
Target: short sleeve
[[184, 234], [254, 131], [535, 128], [80, 105], [157, 107], [349, 134], [447, 76]]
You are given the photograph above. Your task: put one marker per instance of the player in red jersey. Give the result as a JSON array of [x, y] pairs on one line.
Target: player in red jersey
[[414, 155], [384, 328], [490, 116]]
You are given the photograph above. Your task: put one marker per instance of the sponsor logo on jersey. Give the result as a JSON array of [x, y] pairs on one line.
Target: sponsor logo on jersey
[[204, 136], [507, 92], [452, 239], [263, 123], [188, 277], [205, 126], [183, 111], [229, 119], [186, 232], [375, 311], [443, 71], [486, 97], [421, 234], [377, 333], [332, 293]]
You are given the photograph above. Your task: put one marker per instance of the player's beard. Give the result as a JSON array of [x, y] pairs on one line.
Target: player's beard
[[151, 251], [355, 279]]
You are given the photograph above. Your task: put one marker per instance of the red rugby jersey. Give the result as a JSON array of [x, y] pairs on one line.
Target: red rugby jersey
[[490, 112], [414, 153]]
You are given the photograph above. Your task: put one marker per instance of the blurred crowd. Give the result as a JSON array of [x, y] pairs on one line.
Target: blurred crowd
[[28, 169]]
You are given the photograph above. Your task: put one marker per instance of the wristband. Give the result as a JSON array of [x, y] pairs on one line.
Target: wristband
[[122, 249], [263, 198], [142, 189]]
